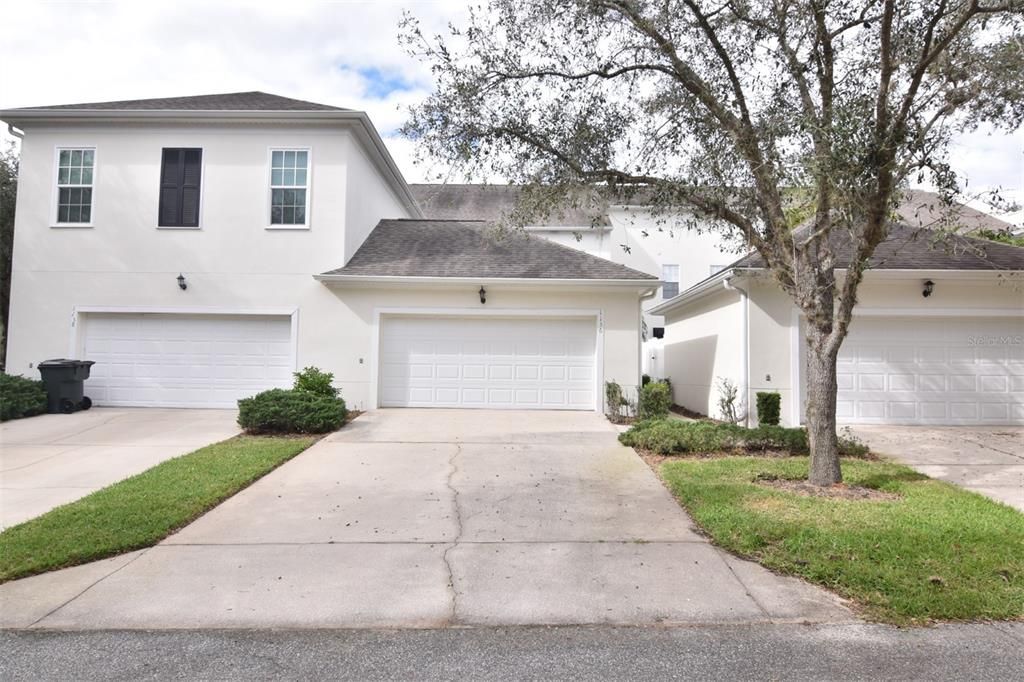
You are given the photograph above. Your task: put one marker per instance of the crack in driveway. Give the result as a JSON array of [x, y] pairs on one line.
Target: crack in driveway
[[457, 511]]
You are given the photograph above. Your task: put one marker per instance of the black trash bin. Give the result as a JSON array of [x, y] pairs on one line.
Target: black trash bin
[[63, 380]]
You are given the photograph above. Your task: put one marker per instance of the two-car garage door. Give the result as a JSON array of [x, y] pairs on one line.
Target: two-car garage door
[[486, 362], [158, 360], [963, 370]]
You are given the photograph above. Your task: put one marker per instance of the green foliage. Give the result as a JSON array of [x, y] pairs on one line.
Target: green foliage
[[655, 400], [935, 552], [1003, 237], [769, 408], [8, 195], [20, 397], [677, 437], [613, 396], [313, 380], [142, 510], [283, 411], [728, 395]]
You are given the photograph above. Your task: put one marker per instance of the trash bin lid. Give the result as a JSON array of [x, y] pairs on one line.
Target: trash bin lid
[[64, 362]]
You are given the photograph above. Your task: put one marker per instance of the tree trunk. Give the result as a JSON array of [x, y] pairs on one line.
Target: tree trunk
[[821, 411]]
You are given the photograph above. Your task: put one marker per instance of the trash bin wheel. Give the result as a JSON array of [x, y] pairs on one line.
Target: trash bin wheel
[[66, 406], [86, 403]]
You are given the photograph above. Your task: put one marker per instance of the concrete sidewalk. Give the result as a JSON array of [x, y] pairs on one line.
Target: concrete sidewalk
[[432, 518], [53, 459]]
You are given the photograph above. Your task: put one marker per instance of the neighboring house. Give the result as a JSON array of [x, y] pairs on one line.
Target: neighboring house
[[201, 249], [937, 336]]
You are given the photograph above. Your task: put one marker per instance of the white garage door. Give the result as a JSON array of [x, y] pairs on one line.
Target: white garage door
[[932, 371], [185, 360], [487, 363]]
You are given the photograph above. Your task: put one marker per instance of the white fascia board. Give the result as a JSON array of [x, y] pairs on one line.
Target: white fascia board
[[712, 284], [365, 131], [521, 282]]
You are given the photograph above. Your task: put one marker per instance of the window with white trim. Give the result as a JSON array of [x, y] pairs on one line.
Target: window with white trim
[[670, 281], [75, 168], [289, 188]]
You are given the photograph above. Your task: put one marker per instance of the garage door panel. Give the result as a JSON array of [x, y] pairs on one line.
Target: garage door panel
[[499, 363], [185, 360], [932, 371]]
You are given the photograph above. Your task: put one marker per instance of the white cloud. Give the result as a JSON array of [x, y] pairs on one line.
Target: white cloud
[[340, 53]]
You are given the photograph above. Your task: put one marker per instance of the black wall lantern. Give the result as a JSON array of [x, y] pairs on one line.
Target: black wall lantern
[[182, 284], [929, 286], [483, 295]]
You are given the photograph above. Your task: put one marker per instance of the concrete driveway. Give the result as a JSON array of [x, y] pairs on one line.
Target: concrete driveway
[[988, 460], [425, 518], [53, 459]]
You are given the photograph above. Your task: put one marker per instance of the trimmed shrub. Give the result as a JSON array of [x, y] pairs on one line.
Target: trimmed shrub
[[673, 437], [313, 380], [20, 397], [769, 408], [655, 400], [282, 411]]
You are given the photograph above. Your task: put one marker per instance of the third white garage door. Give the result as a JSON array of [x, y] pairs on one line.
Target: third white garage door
[[486, 362], [932, 371]]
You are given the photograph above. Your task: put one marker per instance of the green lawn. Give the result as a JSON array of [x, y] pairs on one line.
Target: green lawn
[[937, 553], [142, 510]]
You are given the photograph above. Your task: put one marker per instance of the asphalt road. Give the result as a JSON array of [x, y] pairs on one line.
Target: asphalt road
[[790, 652]]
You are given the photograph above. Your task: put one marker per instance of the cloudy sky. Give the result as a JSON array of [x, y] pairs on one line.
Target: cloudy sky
[[340, 53]]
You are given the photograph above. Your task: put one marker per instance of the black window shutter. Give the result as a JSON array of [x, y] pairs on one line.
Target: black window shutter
[[180, 171]]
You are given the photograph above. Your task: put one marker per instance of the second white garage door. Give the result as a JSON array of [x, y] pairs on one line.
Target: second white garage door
[[484, 362], [157, 360], [967, 370]]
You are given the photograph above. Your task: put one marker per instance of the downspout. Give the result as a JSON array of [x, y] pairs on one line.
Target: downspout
[[15, 132], [650, 293], [745, 335]]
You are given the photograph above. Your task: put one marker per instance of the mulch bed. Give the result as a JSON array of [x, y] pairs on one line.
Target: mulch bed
[[839, 491]]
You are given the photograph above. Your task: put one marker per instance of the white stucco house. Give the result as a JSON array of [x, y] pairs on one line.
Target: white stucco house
[[201, 249], [937, 336]]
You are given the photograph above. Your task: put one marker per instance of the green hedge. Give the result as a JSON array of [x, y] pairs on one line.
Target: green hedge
[[20, 397], [672, 437], [655, 400], [289, 411], [769, 408]]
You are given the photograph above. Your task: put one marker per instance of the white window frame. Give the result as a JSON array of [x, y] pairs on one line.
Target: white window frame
[[271, 187], [55, 178], [665, 281]]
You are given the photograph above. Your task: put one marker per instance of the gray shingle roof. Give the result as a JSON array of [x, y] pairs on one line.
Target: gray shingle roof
[[491, 203], [920, 208], [440, 248], [232, 101], [910, 248]]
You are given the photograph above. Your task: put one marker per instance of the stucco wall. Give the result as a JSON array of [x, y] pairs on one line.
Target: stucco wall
[[702, 345], [232, 261]]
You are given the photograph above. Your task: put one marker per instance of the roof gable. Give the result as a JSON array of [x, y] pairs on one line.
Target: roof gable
[[465, 249]]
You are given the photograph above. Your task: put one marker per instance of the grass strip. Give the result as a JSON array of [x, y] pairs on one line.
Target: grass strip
[[938, 552], [144, 509]]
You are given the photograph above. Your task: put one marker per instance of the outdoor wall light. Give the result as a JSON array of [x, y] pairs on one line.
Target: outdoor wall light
[[483, 295], [182, 284], [929, 286]]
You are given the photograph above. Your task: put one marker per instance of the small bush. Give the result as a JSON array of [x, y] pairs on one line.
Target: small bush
[[645, 379], [769, 408], [673, 437], [728, 394], [20, 397], [313, 380], [655, 400], [296, 411]]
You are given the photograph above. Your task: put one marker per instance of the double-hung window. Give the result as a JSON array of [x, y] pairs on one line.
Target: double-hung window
[[670, 281], [75, 169], [289, 187], [180, 179]]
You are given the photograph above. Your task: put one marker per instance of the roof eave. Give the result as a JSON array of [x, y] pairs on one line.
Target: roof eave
[[385, 280], [364, 130], [705, 287]]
